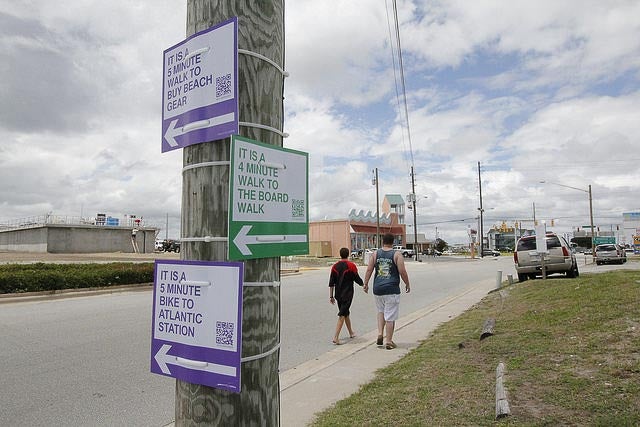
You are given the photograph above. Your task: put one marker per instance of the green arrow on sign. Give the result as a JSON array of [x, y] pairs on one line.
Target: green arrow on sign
[[243, 239]]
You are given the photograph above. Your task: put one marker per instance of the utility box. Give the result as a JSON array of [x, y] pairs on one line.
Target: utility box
[[320, 249]]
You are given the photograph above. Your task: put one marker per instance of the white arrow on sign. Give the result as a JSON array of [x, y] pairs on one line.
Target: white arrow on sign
[[164, 359], [243, 239], [173, 131]]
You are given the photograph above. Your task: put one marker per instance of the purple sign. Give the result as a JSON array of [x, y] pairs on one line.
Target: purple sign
[[197, 322], [200, 87]]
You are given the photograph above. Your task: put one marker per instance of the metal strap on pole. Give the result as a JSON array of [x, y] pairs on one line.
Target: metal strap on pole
[[274, 284], [265, 127], [264, 58], [201, 283], [205, 239], [260, 356], [205, 164], [198, 283]]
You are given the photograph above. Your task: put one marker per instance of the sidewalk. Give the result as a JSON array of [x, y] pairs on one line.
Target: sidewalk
[[317, 384]]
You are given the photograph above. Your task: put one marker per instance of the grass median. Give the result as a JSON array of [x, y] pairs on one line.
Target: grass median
[[571, 348]]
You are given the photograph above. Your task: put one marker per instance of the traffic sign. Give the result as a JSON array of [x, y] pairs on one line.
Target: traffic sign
[[541, 241], [601, 240], [268, 212], [197, 322], [200, 87]]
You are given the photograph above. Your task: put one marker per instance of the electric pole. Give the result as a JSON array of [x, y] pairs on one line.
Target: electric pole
[[205, 208], [375, 179], [415, 225], [481, 215]]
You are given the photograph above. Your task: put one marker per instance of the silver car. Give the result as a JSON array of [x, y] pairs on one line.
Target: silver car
[[559, 259], [609, 254]]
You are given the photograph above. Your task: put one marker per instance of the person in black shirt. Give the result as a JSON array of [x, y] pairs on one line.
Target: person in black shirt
[[343, 274]]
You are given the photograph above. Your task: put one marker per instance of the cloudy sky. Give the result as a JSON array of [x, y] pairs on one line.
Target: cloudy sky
[[534, 91]]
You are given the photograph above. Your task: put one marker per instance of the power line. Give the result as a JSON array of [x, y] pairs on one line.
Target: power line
[[400, 64], [395, 76], [406, 113], [449, 221]]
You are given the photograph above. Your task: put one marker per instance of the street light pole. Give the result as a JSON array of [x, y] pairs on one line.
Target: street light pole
[[481, 212], [375, 180], [593, 248], [415, 225]]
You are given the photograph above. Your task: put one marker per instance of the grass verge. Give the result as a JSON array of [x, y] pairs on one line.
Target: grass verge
[[571, 349]]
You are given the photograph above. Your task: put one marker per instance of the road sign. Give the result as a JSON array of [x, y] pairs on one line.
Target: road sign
[[601, 240], [197, 322], [268, 212], [541, 241], [200, 87]]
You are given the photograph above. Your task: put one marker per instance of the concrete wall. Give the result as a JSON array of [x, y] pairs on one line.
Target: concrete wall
[[27, 240], [59, 238]]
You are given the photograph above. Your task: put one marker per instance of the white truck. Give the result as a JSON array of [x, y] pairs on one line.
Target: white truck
[[407, 253]]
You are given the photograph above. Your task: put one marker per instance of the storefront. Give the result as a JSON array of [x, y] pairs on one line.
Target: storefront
[[357, 232]]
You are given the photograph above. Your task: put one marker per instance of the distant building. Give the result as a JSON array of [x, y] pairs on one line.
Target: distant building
[[504, 237], [61, 234], [394, 203], [423, 244], [358, 230], [630, 233]]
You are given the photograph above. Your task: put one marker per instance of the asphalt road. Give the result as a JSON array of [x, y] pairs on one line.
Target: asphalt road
[[305, 301], [85, 360]]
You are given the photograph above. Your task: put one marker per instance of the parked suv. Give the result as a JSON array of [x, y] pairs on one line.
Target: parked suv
[[610, 253], [490, 252], [560, 258]]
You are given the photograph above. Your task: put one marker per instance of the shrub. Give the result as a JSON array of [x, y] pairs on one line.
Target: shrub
[[16, 278]]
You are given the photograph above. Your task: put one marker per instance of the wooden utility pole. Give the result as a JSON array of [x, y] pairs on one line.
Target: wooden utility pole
[[415, 224], [377, 210], [481, 253], [205, 205]]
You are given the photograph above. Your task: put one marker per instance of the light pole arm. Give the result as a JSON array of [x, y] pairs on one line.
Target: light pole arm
[[593, 248], [568, 186]]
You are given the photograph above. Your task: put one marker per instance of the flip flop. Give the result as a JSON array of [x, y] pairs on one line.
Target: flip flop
[[352, 336], [335, 342], [379, 340], [390, 345]]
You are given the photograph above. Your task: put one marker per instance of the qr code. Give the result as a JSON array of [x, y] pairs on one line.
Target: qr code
[[223, 85], [297, 208], [224, 333]]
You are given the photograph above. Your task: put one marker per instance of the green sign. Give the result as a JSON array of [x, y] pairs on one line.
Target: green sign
[[604, 240], [268, 197]]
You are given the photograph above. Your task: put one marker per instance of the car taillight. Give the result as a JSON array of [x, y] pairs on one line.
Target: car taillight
[[515, 257], [565, 251]]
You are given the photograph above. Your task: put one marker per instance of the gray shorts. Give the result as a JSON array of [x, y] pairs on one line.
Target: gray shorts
[[389, 305]]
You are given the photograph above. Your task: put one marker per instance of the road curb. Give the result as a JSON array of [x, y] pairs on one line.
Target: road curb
[[71, 293]]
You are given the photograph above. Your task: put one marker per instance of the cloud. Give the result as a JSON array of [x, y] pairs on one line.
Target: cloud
[[50, 98], [556, 43], [532, 91], [339, 57], [82, 130]]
